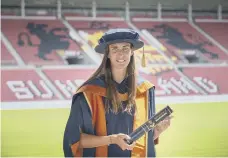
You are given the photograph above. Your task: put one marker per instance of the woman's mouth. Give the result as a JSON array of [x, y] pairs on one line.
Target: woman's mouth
[[120, 61]]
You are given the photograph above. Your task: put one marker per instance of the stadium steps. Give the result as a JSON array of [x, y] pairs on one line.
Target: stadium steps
[[49, 83], [12, 50], [150, 41], [6, 56], [75, 36]]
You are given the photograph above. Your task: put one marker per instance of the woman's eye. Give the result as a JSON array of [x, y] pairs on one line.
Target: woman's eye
[[126, 49]]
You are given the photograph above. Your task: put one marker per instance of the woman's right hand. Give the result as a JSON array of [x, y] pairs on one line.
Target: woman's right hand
[[119, 140]]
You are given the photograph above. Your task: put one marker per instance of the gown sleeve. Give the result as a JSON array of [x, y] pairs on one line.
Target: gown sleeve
[[79, 121]]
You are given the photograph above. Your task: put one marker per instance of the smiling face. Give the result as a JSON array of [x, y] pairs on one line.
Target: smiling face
[[120, 55]]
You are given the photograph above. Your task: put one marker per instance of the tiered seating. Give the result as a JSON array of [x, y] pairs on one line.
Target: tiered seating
[[39, 42], [212, 80], [169, 83], [69, 80], [95, 27], [179, 37], [91, 31], [218, 31], [6, 57], [27, 85], [24, 85]]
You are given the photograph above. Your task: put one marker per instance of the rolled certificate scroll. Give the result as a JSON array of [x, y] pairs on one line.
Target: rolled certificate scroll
[[149, 125]]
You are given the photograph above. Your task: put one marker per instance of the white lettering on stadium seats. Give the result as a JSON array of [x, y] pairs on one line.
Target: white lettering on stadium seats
[[69, 87], [47, 95], [167, 86], [21, 92], [29, 90], [206, 84], [188, 85], [182, 86], [178, 86]]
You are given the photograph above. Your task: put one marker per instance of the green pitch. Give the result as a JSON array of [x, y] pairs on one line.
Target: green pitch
[[196, 130]]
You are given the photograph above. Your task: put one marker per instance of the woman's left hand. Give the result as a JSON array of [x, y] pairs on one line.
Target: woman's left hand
[[162, 126]]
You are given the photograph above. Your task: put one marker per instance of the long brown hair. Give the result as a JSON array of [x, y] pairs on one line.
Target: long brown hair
[[113, 102]]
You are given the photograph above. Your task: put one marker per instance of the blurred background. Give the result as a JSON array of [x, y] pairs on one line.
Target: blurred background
[[47, 51]]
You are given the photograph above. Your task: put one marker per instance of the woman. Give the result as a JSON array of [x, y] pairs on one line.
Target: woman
[[112, 103]]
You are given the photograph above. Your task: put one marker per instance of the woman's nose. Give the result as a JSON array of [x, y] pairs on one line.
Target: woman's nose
[[120, 53]]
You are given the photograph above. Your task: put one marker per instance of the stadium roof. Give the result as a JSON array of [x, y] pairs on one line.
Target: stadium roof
[[198, 5]]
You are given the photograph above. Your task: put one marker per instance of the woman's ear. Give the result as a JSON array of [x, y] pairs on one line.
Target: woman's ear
[[132, 52]]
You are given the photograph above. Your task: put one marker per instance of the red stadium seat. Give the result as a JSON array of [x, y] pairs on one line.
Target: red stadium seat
[[178, 37], [93, 30], [39, 42], [69, 80], [170, 83], [212, 80], [24, 85], [218, 31]]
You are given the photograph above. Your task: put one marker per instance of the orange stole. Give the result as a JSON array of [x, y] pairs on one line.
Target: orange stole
[[93, 95]]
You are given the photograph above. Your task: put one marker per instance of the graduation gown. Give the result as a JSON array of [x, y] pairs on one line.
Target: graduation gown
[[88, 116]]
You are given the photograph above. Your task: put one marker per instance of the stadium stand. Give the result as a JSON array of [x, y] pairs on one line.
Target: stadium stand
[[70, 79], [211, 79], [24, 85], [47, 52], [179, 38], [65, 46], [218, 31], [170, 83], [41, 42], [91, 31]]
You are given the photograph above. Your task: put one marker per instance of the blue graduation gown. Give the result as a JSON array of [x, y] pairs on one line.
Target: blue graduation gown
[[80, 120]]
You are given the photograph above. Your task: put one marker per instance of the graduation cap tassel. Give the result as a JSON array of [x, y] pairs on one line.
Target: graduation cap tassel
[[143, 59]]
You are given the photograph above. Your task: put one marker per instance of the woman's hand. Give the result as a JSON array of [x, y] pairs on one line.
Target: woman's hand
[[119, 140]]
